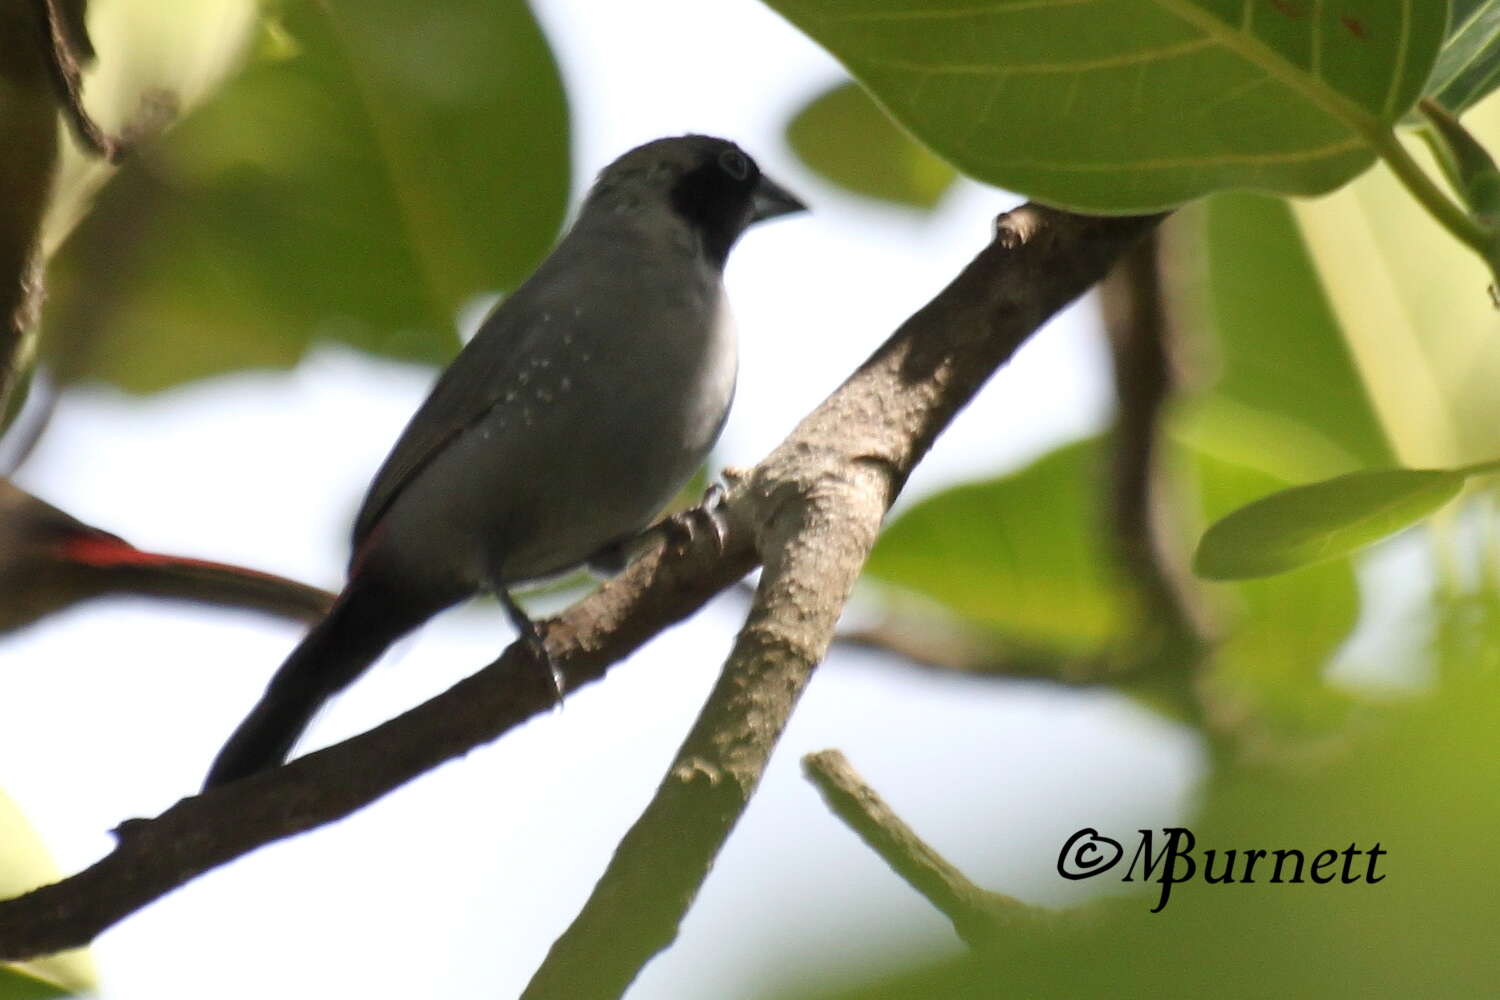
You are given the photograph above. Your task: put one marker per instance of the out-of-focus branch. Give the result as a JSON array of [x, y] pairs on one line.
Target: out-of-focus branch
[[66, 45], [50, 560], [1136, 322], [979, 915], [28, 123], [42, 43], [932, 641], [814, 508]]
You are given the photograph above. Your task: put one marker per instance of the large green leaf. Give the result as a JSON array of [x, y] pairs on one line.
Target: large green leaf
[[1288, 398], [1116, 105], [404, 158], [845, 136], [1024, 553], [1318, 521], [1468, 67], [24, 865]]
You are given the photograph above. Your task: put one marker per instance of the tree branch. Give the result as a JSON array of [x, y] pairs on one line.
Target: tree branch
[[814, 507], [201, 832], [1135, 320], [979, 916], [50, 560]]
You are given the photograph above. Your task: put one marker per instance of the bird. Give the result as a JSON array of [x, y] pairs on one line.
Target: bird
[[584, 403]]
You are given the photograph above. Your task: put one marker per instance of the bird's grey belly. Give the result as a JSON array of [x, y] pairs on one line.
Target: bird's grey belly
[[569, 466]]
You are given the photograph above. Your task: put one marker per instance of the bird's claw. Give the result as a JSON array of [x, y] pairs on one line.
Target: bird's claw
[[682, 527]]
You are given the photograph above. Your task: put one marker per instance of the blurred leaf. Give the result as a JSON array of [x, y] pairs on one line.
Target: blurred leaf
[[1277, 635], [155, 63], [403, 159], [843, 135], [1412, 304], [1318, 521], [1024, 553], [1132, 105], [1468, 66], [24, 865], [1288, 398], [17, 985]]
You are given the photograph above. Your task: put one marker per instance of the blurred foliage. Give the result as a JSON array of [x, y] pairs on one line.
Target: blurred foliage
[[1411, 305], [1024, 554], [24, 865], [843, 135], [362, 183], [1264, 682], [1318, 521], [1283, 392], [155, 62], [1129, 105], [1421, 786]]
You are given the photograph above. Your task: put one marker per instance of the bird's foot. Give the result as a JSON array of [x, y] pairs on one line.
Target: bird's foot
[[682, 528], [535, 643], [543, 656]]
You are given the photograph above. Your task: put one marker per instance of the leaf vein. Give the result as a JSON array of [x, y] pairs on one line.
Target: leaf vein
[[956, 13], [1161, 54]]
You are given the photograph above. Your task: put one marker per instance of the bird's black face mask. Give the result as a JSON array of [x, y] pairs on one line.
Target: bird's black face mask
[[724, 195]]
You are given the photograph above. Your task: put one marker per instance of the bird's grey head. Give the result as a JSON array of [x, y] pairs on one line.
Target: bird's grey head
[[711, 184]]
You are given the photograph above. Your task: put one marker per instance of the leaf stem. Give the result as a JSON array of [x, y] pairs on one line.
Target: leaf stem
[[1479, 468], [1464, 227]]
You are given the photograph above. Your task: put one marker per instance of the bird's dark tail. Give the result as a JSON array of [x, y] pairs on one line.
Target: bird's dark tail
[[357, 629]]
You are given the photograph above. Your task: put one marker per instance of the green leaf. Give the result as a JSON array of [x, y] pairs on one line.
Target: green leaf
[[1278, 633], [156, 63], [1318, 521], [1411, 302], [1468, 67], [403, 159], [1024, 554], [1466, 164], [24, 865], [1131, 105], [845, 136], [1289, 398]]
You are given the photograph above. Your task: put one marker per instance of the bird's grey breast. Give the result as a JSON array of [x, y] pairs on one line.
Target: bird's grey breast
[[582, 407]]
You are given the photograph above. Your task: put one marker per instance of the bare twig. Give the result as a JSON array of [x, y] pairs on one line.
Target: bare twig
[[50, 560], [979, 916], [814, 507]]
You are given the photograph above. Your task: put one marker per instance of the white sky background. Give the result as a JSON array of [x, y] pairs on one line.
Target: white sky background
[[455, 885]]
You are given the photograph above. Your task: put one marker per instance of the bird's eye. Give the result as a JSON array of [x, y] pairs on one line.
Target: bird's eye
[[735, 164]]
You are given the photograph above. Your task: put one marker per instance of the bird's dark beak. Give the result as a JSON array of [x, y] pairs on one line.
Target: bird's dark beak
[[771, 199]]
